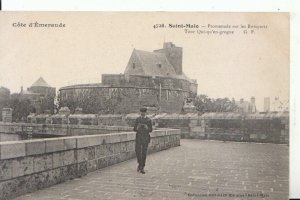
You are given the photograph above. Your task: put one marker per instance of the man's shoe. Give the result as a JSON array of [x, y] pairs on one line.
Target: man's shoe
[[142, 171], [138, 169]]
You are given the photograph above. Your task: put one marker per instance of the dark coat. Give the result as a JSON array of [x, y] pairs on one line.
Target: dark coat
[[143, 126]]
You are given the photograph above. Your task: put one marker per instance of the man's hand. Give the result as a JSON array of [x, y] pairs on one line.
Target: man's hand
[[142, 126]]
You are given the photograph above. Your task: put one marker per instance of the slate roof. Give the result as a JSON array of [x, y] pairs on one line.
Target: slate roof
[[150, 63], [40, 83]]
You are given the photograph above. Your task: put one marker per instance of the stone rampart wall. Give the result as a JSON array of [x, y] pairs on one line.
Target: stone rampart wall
[[148, 81], [26, 166], [59, 129], [121, 100], [271, 130]]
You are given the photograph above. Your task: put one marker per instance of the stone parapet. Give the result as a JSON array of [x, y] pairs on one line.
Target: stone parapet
[[29, 165], [59, 129]]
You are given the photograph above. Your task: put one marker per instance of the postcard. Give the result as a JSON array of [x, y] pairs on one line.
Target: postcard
[[211, 89]]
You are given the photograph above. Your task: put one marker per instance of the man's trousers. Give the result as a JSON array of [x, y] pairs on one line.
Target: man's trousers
[[141, 146]]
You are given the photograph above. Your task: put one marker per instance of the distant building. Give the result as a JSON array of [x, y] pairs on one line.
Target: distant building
[[152, 79], [4, 94], [4, 99], [267, 104], [246, 106], [41, 95]]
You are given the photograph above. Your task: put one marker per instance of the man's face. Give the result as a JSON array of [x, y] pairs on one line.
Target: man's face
[[143, 114]]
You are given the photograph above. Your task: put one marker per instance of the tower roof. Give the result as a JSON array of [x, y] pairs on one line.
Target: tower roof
[[40, 83], [155, 64]]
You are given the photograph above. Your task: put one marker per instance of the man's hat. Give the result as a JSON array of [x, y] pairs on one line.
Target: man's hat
[[143, 109]]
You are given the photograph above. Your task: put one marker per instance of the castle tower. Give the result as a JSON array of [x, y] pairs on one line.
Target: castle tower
[[173, 54], [252, 105]]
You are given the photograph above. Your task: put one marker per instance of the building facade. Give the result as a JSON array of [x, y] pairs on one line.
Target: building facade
[[246, 106], [152, 79], [41, 95], [4, 99]]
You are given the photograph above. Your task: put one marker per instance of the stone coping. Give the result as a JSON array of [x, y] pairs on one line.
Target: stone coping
[[68, 126], [15, 149]]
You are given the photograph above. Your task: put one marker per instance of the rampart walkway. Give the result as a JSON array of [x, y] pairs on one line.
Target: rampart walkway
[[192, 171]]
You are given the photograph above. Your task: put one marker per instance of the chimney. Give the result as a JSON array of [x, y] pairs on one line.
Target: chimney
[[253, 100], [267, 104]]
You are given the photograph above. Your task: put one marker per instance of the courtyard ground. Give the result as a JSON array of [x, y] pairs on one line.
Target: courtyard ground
[[197, 169]]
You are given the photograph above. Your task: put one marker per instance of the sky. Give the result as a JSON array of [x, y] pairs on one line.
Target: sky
[[93, 43]]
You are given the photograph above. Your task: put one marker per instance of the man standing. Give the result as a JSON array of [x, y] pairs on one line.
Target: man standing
[[142, 127]]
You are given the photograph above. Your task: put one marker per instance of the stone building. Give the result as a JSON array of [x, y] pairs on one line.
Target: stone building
[[41, 95], [4, 99], [152, 79], [246, 106]]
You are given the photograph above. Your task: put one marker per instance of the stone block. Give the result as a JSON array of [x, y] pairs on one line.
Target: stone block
[[5, 169], [68, 157], [68, 172], [42, 163], [55, 176], [57, 160], [22, 166], [82, 155], [91, 153], [63, 158], [25, 184], [131, 146], [173, 131], [69, 143], [87, 141], [132, 154], [44, 179], [102, 162], [8, 189], [118, 158], [54, 145], [107, 139], [92, 165], [34, 147], [123, 137], [12, 149], [82, 142], [115, 137], [117, 148], [109, 149], [100, 151], [158, 133], [123, 146], [131, 136], [111, 160], [82, 169]]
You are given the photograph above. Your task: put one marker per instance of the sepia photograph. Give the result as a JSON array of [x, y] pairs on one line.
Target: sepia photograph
[[144, 105]]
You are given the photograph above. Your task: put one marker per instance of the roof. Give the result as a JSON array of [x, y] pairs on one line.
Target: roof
[[150, 62], [40, 83]]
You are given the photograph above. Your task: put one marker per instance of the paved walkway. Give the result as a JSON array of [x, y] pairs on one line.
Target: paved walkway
[[195, 170]]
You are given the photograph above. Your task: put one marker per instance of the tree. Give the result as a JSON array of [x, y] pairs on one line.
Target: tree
[[21, 108], [205, 104]]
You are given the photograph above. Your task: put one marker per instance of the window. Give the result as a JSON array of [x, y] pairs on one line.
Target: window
[[159, 65]]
